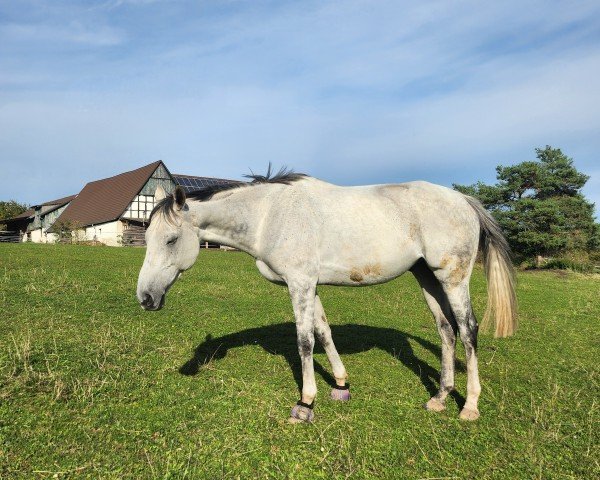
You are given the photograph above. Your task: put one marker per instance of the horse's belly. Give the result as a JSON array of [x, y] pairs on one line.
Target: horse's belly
[[365, 270]]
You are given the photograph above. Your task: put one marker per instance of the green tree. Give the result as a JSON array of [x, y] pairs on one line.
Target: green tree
[[11, 209], [540, 206]]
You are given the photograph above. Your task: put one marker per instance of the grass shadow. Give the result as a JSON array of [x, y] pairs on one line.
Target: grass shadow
[[280, 339]]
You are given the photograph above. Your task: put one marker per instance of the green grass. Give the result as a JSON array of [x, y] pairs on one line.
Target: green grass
[[91, 385]]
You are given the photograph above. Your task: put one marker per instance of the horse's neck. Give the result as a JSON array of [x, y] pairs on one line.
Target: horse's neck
[[233, 220]]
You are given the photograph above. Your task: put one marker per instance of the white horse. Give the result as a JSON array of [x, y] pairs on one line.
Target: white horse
[[304, 232]]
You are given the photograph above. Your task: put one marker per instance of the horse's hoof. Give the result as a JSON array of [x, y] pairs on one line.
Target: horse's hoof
[[466, 414], [340, 395], [434, 405], [301, 414]]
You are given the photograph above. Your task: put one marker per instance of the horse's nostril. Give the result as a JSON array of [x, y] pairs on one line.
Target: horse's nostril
[[147, 300]]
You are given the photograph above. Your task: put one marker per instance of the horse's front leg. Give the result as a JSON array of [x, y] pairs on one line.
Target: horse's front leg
[[303, 294], [323, 333]]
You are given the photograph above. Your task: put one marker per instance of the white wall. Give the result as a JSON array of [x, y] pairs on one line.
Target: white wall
[[40, 236], [107, 233], [36, 235]]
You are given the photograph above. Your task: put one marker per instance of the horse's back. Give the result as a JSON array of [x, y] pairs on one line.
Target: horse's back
[[370, 234], [418, 203]]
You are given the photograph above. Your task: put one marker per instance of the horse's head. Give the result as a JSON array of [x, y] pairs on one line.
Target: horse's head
[[172, 246]]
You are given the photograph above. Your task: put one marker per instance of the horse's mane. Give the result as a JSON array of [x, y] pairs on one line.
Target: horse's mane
[[284, 176], [166, 207]]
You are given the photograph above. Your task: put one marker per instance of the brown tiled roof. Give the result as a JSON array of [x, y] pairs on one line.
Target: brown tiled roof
[[59, 201], [53, 204], [105, 200]]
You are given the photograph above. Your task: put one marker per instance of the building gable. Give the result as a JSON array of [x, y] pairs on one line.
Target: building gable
[[143, 203], [106, 200]]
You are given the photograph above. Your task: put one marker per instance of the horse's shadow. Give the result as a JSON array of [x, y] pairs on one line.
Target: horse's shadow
[[280, 339]]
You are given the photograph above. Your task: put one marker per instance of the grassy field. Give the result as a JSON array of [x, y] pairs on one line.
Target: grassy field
[[91, 386]]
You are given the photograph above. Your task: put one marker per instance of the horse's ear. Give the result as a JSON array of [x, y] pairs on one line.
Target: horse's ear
[[179, 197], [159, 194]]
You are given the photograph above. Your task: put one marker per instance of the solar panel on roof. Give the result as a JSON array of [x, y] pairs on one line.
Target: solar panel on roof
[[189, 184]]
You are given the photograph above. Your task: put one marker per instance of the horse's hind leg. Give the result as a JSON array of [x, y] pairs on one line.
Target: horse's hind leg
[[323, 333], [460, 303], [446, 325]]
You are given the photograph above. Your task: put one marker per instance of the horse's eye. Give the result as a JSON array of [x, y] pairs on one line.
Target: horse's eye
[[172, 241]]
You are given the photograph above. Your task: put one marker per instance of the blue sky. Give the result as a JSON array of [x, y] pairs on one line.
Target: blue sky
[[352, 92]]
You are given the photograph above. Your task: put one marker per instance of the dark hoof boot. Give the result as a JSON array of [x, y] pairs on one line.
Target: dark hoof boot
[[302, 413], [341, 394]]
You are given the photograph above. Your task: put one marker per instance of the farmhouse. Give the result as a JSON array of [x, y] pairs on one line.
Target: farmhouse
[[113, 210]]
